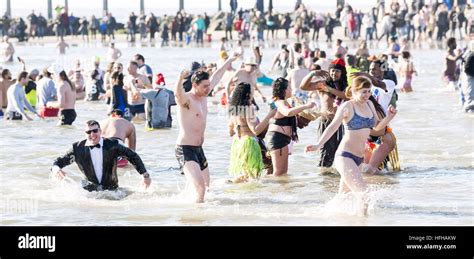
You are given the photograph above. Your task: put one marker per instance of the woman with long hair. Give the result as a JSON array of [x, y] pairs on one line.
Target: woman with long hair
[[359, 116], [282, 131], [246, 157]]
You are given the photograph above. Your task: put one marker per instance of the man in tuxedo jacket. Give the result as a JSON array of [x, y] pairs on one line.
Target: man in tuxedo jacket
[[96, 157]]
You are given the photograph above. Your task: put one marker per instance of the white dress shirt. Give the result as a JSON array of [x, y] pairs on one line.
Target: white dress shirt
[[97, 158]]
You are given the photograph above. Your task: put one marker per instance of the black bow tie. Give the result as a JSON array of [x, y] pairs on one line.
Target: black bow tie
[[96, 145]]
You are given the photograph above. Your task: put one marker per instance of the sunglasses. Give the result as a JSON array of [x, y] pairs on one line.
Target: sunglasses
[[92, 130]]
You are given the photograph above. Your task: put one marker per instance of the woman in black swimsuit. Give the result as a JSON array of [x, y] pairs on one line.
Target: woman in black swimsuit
[[283, 129]]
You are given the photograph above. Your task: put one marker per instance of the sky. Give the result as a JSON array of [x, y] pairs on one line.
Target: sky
[[159, 7]]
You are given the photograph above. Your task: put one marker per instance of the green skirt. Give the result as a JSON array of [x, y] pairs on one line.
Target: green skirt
[[246, 158]]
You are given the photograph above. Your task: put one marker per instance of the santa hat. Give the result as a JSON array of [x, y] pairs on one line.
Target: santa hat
[[338, 63], [160, 79]]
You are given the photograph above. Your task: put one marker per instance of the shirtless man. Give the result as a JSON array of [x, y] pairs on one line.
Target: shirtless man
[[66, 96], [295, 76], [296, 51], [79, 83], [134, 82], [330, 88], [115, 127], [62, 45], [113, 53], [248, 74], [5, 82], [192, 115], [8, 50]]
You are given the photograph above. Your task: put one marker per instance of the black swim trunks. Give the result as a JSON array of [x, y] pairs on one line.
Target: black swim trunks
[[136, 109], [67, 117], [190, 153]]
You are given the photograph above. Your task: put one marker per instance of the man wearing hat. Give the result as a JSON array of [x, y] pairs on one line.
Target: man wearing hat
[[248, 74]]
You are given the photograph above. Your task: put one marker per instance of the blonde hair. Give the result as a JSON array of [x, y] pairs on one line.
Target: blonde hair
[[358, 83]]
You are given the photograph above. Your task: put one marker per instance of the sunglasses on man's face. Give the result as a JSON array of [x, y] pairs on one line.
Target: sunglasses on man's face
[[92, 130]]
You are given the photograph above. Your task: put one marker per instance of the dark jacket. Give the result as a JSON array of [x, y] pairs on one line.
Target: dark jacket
[[111, 151]]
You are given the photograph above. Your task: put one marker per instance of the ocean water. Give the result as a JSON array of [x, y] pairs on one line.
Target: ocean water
[[435, 144]]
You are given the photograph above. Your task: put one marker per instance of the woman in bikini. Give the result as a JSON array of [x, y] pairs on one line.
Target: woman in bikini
[[406, 70], [283, 129], [358, 116], [246, 157]]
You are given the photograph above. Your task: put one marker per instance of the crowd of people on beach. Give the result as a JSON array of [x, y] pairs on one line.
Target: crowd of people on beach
[[350, 93], [415, 21]]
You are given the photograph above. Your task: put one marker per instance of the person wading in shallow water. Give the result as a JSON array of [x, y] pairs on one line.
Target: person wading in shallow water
[[358, 117], [192, 116], [96, 157]]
